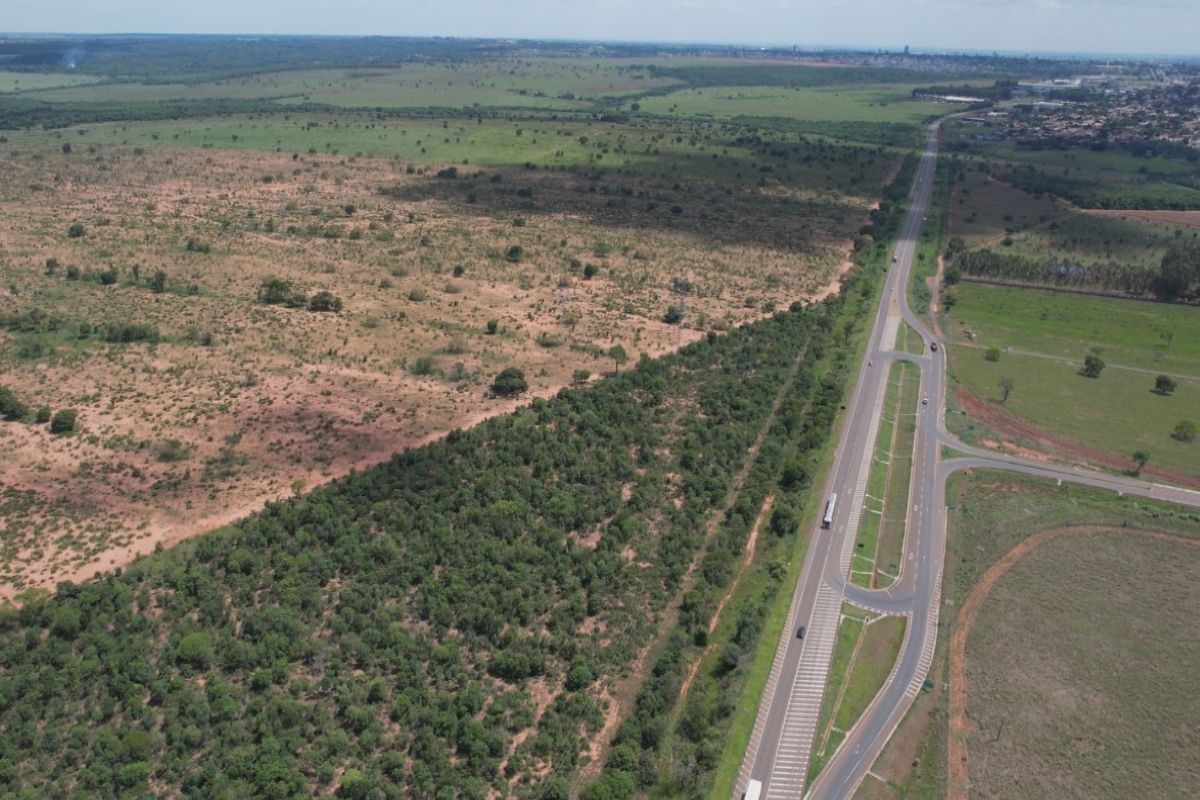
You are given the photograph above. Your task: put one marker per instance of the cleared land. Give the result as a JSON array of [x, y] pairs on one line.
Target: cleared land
[[1089, 682], [1043, 338], [237, 402]]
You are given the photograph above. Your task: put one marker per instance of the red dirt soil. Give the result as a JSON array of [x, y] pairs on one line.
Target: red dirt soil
[[959, 724], [1010, 426], [1190, 219]]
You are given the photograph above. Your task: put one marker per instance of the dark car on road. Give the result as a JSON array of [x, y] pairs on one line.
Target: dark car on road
[[800, 633]]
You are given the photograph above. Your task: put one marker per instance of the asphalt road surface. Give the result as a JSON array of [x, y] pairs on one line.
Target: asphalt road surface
[[785, 728]]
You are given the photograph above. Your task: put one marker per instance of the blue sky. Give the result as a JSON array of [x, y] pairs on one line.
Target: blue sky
[[1117, 26]]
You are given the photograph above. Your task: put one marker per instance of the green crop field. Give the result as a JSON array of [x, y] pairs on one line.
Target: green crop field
[[1050, 334]]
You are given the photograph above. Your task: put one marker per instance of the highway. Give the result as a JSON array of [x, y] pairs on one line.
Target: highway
[[781, 742]]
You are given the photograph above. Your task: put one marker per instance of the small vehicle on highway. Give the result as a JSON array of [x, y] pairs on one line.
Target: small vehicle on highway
[[800, 633], [924, 401]]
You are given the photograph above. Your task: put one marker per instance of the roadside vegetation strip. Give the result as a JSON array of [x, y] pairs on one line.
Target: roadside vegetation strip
[[863, 659], [931, 241], [909, 341], [891, 467], [894, 520], [849, 635]]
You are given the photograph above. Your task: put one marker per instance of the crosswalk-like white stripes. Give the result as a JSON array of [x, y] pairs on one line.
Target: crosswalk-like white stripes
[[804, 700]]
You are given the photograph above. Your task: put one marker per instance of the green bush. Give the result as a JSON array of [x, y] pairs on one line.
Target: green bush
[[511, 381], [64, 421], [11, 408], [195, 649], [324, 301]]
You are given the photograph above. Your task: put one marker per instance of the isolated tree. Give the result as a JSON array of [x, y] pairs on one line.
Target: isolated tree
[[1140, 457], [1006, 387], [511, 381], [515, 253], [618, 355], [1164, 384], [1093, 365], [43, 415], [64, 421], [1185, 431], [1167, 336], [492, 327], [674, 315], [75, 231], [590, 271], [581, 376], [992, 354]]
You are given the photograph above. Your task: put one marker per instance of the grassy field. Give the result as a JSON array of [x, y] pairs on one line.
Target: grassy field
[[992, 512], [890, 103], [1079, 677], [34, 81], [880, 542], [518, 83], [908, 340], [1049, 335]]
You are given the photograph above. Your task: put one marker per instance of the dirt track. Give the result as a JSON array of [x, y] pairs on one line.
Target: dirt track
[[959, 724]]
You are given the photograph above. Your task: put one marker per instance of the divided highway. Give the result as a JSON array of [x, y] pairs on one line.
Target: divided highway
[[781, 744]]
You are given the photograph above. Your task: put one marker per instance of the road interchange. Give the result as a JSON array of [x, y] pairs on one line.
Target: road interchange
[[781, 742]]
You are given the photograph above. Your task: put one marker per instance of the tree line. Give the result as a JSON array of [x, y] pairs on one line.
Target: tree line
[[1177, 278]]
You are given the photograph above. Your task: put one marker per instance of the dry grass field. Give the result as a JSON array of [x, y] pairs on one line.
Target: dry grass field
[[234, 402]]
